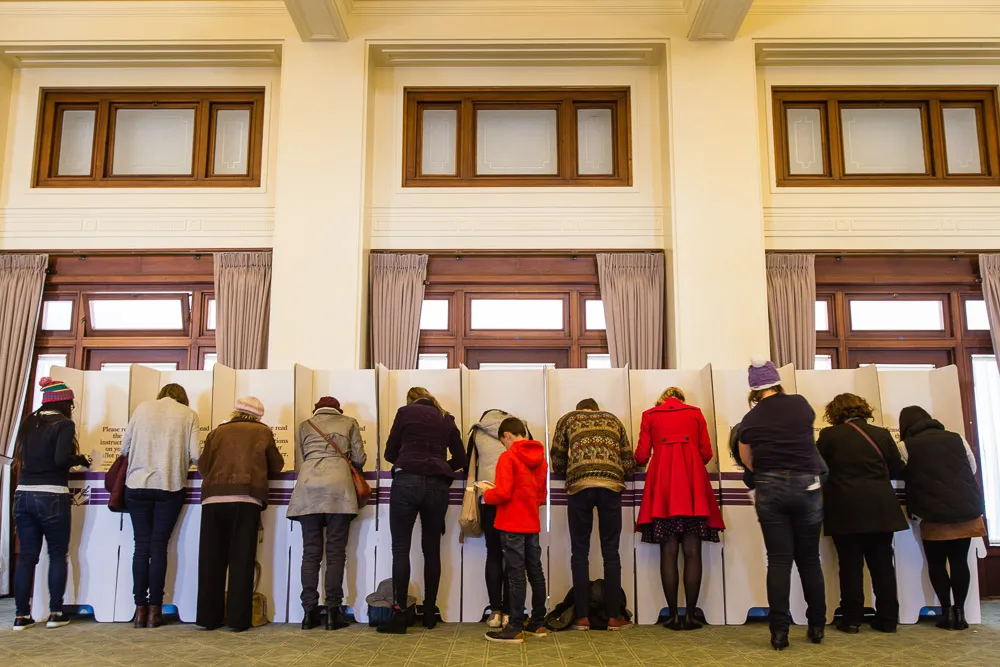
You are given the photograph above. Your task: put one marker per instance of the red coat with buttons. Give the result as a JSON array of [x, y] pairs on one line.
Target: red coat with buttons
[[675, 436]]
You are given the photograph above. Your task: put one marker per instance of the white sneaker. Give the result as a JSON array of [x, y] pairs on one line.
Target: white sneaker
[[495, 620], [57, 620]]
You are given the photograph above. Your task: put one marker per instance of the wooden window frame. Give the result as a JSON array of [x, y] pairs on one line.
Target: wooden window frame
[[206, 102], [931, 100], [182, 297], [899, 335], [566, 101], [520, 295]]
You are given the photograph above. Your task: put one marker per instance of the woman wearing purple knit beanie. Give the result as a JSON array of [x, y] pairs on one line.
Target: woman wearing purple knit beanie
[[778, 445]]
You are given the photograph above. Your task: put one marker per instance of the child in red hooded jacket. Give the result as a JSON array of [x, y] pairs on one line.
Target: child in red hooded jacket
[[521, 487]]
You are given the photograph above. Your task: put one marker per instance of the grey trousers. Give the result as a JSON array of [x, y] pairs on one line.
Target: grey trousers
[[337, 528]]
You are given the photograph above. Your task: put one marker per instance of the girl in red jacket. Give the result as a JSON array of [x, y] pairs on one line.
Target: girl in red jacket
[[679, 507]]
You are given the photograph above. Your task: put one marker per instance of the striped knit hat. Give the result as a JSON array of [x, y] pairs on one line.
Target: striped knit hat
[[54, 391]]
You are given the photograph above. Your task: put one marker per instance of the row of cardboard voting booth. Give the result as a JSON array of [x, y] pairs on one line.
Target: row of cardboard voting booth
[[100, 574]]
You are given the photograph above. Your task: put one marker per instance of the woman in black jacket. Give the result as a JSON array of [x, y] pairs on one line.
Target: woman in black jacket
[[862, 512], [942, 491], [45, 450], [422, 435]]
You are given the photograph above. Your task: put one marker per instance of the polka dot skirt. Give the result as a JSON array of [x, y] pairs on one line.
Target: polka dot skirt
[[658, 531]]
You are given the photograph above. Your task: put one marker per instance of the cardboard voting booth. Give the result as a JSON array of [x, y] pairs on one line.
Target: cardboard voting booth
[[522, 394], [645, 388], [446, 386], [936, 391], [357, 392], [564, 389], [746, 561]]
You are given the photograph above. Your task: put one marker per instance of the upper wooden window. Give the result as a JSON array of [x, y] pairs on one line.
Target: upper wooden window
[[886, 137], [515, 137], [145, 137]]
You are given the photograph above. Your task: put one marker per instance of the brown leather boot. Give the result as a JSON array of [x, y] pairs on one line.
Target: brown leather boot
[[141, 616], [155, 615]]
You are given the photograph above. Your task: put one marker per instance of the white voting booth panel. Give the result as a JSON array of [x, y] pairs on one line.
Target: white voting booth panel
[[819, 388], [101, 416], [645, 388], [743, 544], [357, 391], [522, 394], [565, 388], [182, 553], [446, 386], [936, 391]]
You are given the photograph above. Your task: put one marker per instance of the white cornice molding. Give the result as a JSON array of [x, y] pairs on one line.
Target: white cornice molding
[[318, 20], [516, 7], [896, 222], [870, 53], [94, 54], [395, 54], [147, 9], [860, 7], [718, 19]]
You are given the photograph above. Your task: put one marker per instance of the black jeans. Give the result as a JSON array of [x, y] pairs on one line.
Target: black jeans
[[954, 554], [154, 514], [411, 496], [497, 584], [40, 515], [854, 551], [790, 512], [337, 527], [580, 511], [228, 543], [522, 553]]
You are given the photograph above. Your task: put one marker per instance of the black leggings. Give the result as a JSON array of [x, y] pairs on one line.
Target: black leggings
[[670, 576], [956, 554]]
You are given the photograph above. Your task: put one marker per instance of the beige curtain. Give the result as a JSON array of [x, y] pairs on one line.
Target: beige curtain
[[243, 304], [989, 270], [632, 290], [22, 279], [791, 307], [397, 294]]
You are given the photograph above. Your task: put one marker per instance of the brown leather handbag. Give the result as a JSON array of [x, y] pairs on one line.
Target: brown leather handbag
[[361, 486], [114, 483]]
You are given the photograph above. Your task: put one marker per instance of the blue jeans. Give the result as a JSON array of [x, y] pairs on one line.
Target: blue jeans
[[425, 496], [522, 553], [40, 515], [154, 514], [790, 512]]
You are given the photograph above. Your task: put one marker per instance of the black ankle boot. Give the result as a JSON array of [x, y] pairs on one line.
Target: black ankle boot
[[673, 623], [690, 622], [311, 619], [396, 625], [430, 617], [779, 639], [335, 619], [815, 633], [947, 621], [960, 622]]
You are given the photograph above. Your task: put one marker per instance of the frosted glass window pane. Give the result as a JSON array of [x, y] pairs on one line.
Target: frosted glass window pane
[[438, 142], [824, 362], [57, 316], [434, 315], [515, 366], [976, 318], [43, 368], [125, 365], [594, 312], [897, 316], [232, 140], [986, 388], [210, 316], [540, 314], [902, 367], [822, 316], [432, 362], [76, 142], [516, 141], [595, 144], [153, 141], [961, 140], [805, 141], [883, 141], [137, 314], [211, 359], [598, 361]]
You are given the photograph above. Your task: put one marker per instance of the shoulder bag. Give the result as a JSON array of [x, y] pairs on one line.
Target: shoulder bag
[[872, 443], [469, 520], [114, 483], [361, 486]]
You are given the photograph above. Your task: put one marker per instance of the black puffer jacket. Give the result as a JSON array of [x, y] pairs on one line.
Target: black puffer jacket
[[940, 486], [563, 614]]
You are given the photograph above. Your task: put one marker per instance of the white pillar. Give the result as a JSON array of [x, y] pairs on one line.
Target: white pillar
[[6, 95]]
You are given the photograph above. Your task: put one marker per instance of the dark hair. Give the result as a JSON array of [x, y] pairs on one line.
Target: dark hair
[[174, 391], [845, 407], [588, 404], [909, 417], [35, 422], [514, 426], [757, 395]]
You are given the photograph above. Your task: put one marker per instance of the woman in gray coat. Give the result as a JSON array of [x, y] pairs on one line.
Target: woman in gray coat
[[324, 498]]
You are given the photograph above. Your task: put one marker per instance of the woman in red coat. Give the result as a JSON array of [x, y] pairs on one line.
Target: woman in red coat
[[679, 507]]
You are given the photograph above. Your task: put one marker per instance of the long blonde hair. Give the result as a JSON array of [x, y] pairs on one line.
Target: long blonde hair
[[419, 393], [670, 392]]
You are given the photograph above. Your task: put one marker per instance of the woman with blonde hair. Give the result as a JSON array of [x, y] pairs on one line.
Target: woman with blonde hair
[[418, 445], [679, 508]]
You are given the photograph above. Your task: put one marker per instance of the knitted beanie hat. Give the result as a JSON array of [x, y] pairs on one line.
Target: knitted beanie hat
[[762, 375], [54, 391], [327, 402], [250, 405]]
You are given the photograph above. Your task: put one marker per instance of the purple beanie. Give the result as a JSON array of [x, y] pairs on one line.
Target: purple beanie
[[763, 375]]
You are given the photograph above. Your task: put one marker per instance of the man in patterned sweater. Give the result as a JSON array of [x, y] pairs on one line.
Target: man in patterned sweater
[[591, 447]]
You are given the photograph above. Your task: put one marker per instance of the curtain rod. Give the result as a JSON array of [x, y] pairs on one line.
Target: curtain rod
[[882, 253]]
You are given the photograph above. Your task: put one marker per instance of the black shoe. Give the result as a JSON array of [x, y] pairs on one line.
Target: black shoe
[[779, 639], [57, 619], [536, 628], [509, 635], [430, 617], [673, 623], [690, 623], [880, 625], [849, 628], [960, 622], [311, 619], [947, 621], [335, 619], [23, 622], [815, 633], [396, 625]]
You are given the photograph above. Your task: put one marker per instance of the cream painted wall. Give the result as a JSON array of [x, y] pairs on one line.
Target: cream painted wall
[[6, 90]]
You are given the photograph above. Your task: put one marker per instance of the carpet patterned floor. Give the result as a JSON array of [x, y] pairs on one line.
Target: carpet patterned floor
[[90, 643]]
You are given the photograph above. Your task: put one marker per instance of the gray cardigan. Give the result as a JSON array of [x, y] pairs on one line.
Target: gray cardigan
[[324, 484]]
